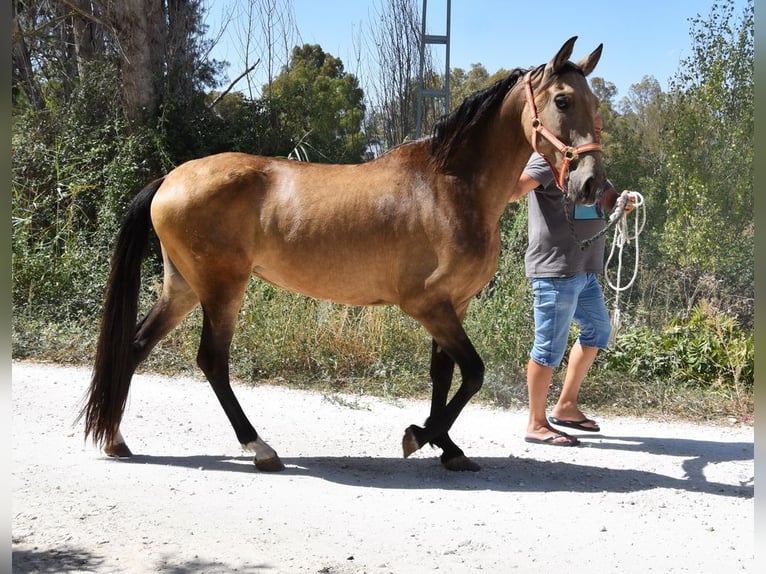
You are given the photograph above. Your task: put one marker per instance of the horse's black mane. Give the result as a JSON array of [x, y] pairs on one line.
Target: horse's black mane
[[453, 131]]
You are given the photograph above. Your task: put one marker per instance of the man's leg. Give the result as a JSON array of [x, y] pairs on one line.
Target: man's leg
[[595, 329], [580, 361], [538, 383], [555, 301]]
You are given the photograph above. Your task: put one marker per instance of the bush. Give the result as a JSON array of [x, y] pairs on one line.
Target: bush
[[707, 349], [75, 167]]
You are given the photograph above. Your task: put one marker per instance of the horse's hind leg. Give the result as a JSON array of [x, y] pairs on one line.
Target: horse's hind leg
[[175, 302], [219, 321]]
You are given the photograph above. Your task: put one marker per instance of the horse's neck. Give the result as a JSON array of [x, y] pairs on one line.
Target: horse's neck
[[506, 152]]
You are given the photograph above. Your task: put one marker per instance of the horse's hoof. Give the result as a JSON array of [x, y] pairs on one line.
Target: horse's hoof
[[461, 463], [409, 442], [272, 464], [117, 450]]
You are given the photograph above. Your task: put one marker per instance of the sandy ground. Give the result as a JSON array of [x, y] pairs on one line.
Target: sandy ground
[[638, 497]]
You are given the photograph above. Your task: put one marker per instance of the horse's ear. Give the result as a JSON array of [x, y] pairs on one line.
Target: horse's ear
[[563, 55], [587, 64], [560, 59]]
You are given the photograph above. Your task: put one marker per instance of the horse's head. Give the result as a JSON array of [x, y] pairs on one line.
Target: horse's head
[[559, 120]]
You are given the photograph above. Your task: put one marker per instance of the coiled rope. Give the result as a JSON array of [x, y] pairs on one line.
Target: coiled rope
[[623, 237]]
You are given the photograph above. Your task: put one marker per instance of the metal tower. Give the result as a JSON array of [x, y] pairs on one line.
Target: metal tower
[[442, 92]]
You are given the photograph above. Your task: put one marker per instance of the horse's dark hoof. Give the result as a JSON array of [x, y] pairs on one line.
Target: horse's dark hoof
[[410, 442], [118, 450], [461, 462], [273, 464]]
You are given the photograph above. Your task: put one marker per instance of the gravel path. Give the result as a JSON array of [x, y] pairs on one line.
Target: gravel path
[[639, 497]]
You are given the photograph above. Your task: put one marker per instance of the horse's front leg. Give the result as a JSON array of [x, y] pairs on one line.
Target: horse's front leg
[[442, 370], [443, 414]]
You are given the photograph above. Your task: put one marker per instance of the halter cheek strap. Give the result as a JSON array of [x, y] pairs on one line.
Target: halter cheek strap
[[568, 152]]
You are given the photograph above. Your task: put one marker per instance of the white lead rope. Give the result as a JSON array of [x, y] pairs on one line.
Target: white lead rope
[[623, 237]]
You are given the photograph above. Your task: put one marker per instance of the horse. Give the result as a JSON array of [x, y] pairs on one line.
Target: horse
[[417, 227]]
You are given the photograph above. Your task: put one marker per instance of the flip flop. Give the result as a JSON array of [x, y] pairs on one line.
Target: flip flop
[[575, 424], [549, 441]]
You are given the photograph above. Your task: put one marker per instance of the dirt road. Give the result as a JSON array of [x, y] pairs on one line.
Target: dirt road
[[640, 496]]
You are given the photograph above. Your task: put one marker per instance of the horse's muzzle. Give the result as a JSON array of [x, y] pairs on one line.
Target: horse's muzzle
[[588, 192], [586, 181]]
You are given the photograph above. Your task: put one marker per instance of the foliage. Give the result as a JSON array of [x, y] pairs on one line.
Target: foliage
[[317, 101], [709, 223], [245, 125], [464, 83], [73, 170], [690, 153], [706, 349], [500, 321], [393, 92], [185, 123], [290, 337], [710, 165]]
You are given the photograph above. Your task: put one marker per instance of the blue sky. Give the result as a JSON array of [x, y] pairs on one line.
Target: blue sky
[[641, 38]]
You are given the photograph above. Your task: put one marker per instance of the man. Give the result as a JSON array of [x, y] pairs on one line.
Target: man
[[565, 284]]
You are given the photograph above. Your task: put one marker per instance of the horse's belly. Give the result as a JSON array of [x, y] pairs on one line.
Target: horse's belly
[[339, 286]]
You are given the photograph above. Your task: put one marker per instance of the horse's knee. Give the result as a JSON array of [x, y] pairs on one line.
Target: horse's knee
[[473, 378], [213, 368], [204, 362], [473, 385]]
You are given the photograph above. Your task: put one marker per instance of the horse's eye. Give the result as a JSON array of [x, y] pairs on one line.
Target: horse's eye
[[562, 102]]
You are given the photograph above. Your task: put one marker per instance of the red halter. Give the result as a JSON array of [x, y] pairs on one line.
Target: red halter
[[570, 153]]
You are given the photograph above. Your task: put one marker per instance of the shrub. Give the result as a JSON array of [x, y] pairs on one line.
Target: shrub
[[707, 349]]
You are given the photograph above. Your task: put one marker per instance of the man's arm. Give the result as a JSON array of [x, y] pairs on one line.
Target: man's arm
[[525, 184]]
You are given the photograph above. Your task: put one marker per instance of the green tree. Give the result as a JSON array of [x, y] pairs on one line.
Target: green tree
[[634, 144], [709, 230], [320, 105], [464, 83]]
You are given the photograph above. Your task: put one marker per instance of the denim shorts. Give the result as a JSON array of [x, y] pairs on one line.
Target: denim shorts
[[559, 301]]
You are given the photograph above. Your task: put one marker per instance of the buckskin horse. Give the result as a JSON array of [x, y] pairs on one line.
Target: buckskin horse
[[417, 227]]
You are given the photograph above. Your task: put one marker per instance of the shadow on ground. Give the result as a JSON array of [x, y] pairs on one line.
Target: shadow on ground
[[69, 560], [505, 474]]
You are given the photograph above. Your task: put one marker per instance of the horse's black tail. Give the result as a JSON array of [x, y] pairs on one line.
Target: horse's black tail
[[114, 363]]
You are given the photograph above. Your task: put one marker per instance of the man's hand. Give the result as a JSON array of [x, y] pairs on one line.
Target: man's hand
[[623, 204], [631, 203]]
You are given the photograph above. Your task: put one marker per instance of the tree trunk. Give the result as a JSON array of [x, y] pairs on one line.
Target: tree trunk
[[87, 32], [135, 22], [23, 76]]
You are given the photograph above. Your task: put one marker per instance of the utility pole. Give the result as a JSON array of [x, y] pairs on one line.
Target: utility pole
[[443, 92]]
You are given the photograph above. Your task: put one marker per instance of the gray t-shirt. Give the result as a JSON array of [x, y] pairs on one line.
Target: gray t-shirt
[[552, 251]]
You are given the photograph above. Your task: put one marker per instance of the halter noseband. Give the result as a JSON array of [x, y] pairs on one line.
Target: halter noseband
[[568, 152]]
